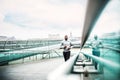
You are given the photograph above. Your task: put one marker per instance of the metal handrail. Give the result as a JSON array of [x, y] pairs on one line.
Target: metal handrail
[[114, 49], [111, 66], [32, 50], [63, 72], [94, 9], [20, 46]]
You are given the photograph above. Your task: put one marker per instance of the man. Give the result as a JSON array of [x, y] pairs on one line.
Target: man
[[66, 45], [96, 44]]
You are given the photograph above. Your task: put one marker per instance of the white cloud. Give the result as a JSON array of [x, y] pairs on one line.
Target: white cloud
[[109, 20], [37, 18]]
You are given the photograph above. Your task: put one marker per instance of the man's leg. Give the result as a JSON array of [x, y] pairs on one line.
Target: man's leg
[[64, 55], [97, 53], [68, 55], [96, 65], [94, 62], [93, 53]]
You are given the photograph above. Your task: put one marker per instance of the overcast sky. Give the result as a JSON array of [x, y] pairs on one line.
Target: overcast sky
[[38, 18]]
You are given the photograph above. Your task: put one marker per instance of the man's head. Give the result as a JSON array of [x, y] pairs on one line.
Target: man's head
[[66, 37]]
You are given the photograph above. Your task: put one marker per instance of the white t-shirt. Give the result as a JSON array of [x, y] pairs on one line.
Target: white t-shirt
[[66, 43], [96, 44]]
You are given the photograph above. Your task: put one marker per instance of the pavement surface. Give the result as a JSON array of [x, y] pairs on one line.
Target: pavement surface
[[33, 70], [36, 70]]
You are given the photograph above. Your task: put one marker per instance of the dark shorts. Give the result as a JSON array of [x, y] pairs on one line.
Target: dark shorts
[[96, 53], [66, 55]]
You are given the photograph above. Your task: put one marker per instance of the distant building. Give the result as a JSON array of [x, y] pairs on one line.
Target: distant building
[[53, 36], [4, 38], [111, 35]]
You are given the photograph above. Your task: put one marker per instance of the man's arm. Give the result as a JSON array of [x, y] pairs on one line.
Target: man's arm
[[90, 46], [100, 44], [70, 46], [62, 46]]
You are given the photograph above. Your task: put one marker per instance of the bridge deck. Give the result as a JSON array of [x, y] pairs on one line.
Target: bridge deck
[[40, 68], [37, 70], [32, 70]]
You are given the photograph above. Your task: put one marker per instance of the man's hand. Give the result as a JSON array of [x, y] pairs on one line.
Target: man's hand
[[65, 47], [69, 48]]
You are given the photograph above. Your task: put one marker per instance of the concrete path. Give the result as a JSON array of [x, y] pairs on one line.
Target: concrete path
[[36, 70]]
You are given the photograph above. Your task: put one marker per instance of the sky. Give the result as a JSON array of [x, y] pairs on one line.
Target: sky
[[26, 19]]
